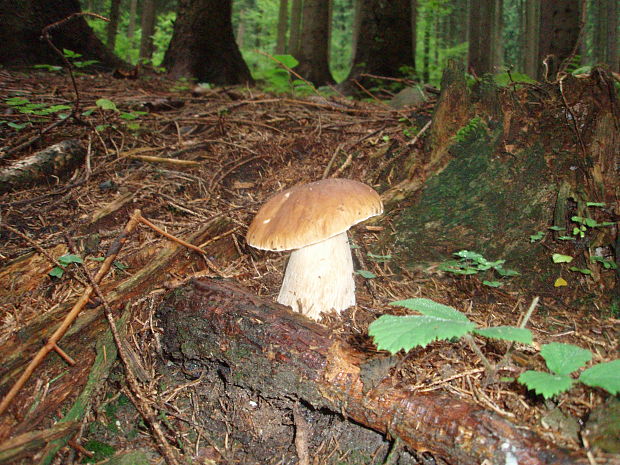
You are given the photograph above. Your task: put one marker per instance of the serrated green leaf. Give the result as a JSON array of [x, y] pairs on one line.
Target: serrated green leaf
[[563, 359], [431, 308], [604, 375], [546, 384], [492, 283], [507, 333], [559, 258], [395, 333], [106, 104], [366, 274]]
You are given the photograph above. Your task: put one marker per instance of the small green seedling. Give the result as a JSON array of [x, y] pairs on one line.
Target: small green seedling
[[474, 263], [562, 360], [65, 261], [366, 274]]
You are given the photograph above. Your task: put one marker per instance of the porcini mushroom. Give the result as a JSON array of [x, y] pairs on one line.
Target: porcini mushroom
[[312, 220]]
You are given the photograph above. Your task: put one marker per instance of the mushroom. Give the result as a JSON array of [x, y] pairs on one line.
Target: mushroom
[[312, 220]]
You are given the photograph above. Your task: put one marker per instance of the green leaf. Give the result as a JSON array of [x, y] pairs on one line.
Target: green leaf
[[546, 384], [492, 283], [379, 258], [18, 126], [580, 270], [536, 237], [475, 256], [70, 53], [607, 264], [559, 258], [507, 333], [566, 238], [366, 274], [287, 60], [431, 308], [504, 272], [563, 359], [394, 333], [16, 101], [557, 228], [591, 222], [56, 272], [595, 204], [70, 258], [106, 104], [604, 375]]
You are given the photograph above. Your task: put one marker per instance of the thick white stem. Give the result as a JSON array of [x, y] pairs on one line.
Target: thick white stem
[[319, 278]]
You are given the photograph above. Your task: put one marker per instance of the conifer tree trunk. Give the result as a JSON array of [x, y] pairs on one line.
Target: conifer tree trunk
[[531, 35], [112, 27], [148, 29], [203, 45], [558, 34], [293, 43], [613, 57], [131, 28], [482, 31], [313, 51], [282, 27]]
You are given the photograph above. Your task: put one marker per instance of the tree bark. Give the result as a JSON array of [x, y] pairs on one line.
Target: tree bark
[[385, 42], [293, 41], [282, 27], [112, 27], [285, 356], [482, 32], [203, 45], [148, 29], [131, 28], [531, 35], [20, 34], [313, 52], [558, 34], [613, 59]]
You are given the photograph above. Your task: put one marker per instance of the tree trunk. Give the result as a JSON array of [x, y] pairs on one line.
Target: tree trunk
[[531, 35], [20, 34], [414, 31], [497, 42], [282, 27], [148, 29], [357, 22], [313, 52], [384, 42], [482, 22], [112, 27], [131, 28], [426, 50], [293, 41], [558, 34], [203, 45], [265, 348], [613, 58]]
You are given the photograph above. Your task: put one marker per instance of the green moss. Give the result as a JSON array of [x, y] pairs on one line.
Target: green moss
[[101, 451]]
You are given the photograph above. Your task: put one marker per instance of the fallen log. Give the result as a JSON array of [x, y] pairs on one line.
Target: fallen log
[[283, 355]]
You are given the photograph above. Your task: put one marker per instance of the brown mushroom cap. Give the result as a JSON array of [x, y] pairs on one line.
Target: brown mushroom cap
[[310, 213]]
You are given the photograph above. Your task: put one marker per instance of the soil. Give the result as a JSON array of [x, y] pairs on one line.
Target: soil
[[239, 147]]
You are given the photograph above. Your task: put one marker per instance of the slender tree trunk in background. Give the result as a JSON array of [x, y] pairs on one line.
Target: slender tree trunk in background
[[20, 33], [148, 29], [131, 27], [112, 26], [598, 31], [203, 44], [313, 58], [357, 21], [531, 35], [497, 42], [426, 50], [482, 34], [241, 30], [330, 21], [293, 41], [612, 36], [414, 30], [385, 42], [558, 34], [438, 36], [282, 28]]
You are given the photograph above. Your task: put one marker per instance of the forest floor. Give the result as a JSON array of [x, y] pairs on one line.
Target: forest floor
[[188, 159]]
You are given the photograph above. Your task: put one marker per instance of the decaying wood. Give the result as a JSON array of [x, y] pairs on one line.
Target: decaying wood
[[281, 354], [52, 161], [19, 349]]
